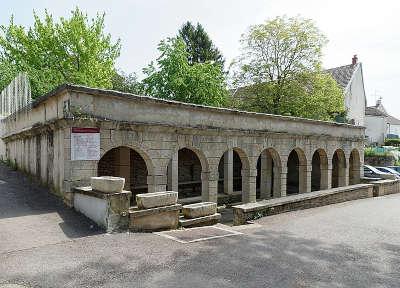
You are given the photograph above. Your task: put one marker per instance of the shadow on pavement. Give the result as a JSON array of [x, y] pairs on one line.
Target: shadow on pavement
[[20, 197]]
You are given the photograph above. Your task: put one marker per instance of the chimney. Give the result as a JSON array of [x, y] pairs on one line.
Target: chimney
[[354, 60]]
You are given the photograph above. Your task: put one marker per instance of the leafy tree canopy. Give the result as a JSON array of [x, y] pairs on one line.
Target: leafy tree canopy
[[173, 77], [127, 83], [279, 71], [74, 50], [199, 46]]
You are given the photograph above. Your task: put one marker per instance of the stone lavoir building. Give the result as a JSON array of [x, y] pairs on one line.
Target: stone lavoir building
[[204, 153]]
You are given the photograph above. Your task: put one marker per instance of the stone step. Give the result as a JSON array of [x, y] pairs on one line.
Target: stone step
[[200, 221], [199, 209], [156, 199]]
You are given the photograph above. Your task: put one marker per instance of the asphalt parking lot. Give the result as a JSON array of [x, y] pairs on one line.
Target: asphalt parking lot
[[44, 244]]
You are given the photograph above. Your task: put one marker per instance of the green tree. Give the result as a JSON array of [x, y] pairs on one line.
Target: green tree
[[127, 83], [279, 71], [7, 73], [174, 78], [74, 50], [199, 46]]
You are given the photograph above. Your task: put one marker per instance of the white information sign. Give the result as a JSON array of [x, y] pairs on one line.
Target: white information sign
[[85, 144]]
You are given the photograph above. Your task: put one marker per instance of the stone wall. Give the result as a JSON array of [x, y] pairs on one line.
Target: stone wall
[[252, 211], [39, 140]]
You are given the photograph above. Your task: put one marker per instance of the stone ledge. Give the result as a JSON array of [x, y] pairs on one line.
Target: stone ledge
[[386, 187], [88, 191], [201, 221], [298, 197], [245, 212]]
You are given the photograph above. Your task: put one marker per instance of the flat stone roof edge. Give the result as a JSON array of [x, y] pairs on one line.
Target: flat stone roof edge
[[129, 96]]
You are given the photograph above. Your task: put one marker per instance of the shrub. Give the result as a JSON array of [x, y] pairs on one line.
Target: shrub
[[392, 142]]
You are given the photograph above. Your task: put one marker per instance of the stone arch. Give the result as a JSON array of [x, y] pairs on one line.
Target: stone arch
[[232, 169], [338, 169], [354, 167], [296, 180], [133, 164], [269, 169], [319, 172], [188, 174]]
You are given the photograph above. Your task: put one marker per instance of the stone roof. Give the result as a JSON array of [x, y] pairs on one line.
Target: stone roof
[[374, 111], [342, 74]]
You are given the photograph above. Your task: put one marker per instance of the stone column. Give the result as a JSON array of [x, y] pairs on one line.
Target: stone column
[[123, 168], [266, 176], [346, 179], [173, 172], [249, 177], [324, 183], [304, 179], [276, 193], [228, 172], [329, 176], [209, 186], [283, 180], [308, 171]]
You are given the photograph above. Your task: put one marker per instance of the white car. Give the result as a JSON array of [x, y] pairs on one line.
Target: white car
[[389, 170], [372, 172]]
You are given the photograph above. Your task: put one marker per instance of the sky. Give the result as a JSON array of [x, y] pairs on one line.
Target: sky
[[370, 29]]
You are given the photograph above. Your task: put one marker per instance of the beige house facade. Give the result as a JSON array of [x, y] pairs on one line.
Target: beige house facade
[[204, 153]]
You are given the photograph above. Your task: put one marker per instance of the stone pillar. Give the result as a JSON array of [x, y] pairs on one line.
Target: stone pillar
[[346, 179], [308, 172], [249, 177], [124, 166], [329, 176], [324, 183], [156, 183], [277, 183], [266, 176], [228, 172], [173, 172], [304, 179], [209, 186], [283, 181]]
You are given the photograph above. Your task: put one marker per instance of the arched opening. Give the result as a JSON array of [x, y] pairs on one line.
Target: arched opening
[[189, 182], [319, 173], [127, 163], [230, 168], [354, 167], [296, 172], [268, 182], [338, 169]]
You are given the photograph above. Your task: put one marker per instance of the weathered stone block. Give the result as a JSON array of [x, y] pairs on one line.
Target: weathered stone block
[[156, 199], [108, 210], [199, 209], [155, 219], [201, 221], [107, 184]]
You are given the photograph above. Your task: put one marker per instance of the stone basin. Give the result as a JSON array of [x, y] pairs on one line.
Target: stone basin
[[107, 184], [199, 209], [156, 199]]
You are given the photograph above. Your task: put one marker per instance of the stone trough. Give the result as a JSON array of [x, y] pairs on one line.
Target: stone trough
[[155, 211], [199, 214], [104, 202]]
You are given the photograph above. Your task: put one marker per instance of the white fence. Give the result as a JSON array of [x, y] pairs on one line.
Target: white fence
[[15, 96]]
